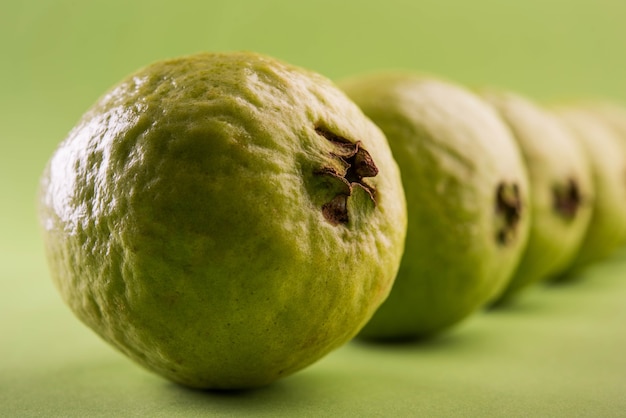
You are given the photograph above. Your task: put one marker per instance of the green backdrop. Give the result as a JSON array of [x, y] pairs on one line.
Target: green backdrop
[[558, 352]]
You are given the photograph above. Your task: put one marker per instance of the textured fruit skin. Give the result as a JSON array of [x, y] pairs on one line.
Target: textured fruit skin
[[607, 157], [182, 220], [555, 162], [453, 152]]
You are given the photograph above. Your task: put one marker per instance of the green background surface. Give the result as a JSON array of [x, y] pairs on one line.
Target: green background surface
[[558, 352]]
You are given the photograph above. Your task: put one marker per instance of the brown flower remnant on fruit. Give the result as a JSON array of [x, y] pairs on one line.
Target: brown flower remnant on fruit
[[359, 164], [509, 208], [566, 198], [336, 211]]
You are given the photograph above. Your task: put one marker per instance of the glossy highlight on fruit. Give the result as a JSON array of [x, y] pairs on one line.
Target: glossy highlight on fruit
[[467, 199], [223, 219]]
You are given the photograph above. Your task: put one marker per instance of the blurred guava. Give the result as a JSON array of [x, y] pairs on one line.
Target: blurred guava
[[224, 219], [561, 188], [467, 198], [606, 153], [611, 112]]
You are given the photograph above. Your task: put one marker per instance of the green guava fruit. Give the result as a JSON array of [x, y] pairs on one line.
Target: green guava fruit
[[612, 113], [561, 189], [467, 196], [607, 157], [224, 219]]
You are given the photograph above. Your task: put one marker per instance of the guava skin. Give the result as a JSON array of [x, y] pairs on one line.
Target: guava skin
[[611, 113], [607, 158], [560, 186], [467, 197], [191, 219]]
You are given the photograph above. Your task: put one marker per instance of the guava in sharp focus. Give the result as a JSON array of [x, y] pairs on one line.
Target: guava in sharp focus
[[607, 157], [560, 186], [224, 219], [467, 200]]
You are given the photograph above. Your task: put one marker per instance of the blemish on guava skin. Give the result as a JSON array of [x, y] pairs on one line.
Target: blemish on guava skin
[[566, 198], [359, 165], [336, 211], [509, 209]]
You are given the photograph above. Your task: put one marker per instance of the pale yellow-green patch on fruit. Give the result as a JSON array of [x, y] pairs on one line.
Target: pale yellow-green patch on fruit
[[611, 112]]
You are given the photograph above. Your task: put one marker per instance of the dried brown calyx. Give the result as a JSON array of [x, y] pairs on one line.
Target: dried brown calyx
[[357, 165], [508, 210], [566, 198]]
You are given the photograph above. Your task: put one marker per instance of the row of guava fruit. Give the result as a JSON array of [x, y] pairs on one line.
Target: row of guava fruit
[[227, 219]]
